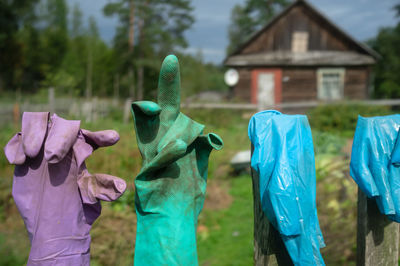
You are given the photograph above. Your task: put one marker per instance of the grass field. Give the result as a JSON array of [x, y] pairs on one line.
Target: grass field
[[225, 231]]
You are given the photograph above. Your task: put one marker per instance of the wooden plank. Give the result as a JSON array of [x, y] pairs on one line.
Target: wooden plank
[[51, 100], [377, 236], [241, 90], [322, 35], [301, 84], [269, 248], [356, 83]]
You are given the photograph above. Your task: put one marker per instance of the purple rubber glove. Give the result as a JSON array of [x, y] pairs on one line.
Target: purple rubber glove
[[56, 196]]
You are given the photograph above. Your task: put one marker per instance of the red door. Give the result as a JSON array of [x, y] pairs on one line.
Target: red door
[[266, 86]]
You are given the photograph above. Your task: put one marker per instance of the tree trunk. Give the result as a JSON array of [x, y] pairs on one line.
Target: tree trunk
[[103, 87], [131, 83], [116, 89], [140, 71], [51, 100], [89, 74], [131, 43], [140, 74], [1, 83]]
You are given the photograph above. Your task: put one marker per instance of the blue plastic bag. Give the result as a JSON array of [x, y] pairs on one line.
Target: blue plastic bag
[[375, 161], [283, 157]]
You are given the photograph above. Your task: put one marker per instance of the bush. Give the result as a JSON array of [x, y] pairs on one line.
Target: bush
[[327, 143], [342, 118]]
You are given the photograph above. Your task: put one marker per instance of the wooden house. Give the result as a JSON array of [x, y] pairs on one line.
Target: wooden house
[[301, 56]]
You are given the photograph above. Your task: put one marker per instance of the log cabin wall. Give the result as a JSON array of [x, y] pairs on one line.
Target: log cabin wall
[[299, 84], [327, 47], [242, 91], [356, 83], [278, 37]]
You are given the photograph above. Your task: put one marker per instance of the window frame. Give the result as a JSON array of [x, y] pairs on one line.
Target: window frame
[[300, 40], [320, 82]]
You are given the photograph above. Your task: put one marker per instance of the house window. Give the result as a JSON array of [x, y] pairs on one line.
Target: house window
[[300, 41], [330, 83]]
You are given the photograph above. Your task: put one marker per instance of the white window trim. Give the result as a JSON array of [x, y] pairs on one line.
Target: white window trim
[[321, 72]]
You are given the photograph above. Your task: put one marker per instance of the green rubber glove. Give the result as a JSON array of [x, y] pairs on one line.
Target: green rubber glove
[[171, 186]]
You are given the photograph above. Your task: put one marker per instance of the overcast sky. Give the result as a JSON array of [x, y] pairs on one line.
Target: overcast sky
[[360, 18]]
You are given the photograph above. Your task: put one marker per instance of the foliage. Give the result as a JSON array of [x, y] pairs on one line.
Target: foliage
[[342, 118], [387, 43], [44, 43], [248, 18], [148, 30], [9, 257], [327, 143], [337, 209], [127, 200], [221, 239], [197, 76], [13, 16]]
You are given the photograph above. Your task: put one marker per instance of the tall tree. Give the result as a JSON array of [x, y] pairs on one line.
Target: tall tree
[[14, 15], [92, 37], [148, 29], [387, 43], [76, 29], [55, 34], [246, 19]]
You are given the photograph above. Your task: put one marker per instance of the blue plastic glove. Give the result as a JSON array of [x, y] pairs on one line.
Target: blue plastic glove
[[283, 157], [375, 158]]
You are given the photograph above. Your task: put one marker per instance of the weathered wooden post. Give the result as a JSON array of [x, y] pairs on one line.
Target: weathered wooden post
[[284, 187], [127, 110], [374, 166], [51, 100], [269, 248], [116, 90], [377, 236], [16, 108]]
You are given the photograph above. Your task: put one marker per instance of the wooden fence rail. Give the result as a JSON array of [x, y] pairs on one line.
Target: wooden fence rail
[[290, 105]]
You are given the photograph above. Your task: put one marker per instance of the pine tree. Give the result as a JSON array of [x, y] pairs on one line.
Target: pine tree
[[248, 18], [148, 30]]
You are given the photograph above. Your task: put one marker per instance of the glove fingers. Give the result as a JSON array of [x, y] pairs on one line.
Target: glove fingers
[[100, 187], [215, 141], [169, 154], [101, 138], [14, 151], [169, 89]]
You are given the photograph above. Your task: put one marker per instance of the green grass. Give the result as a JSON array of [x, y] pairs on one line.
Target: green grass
[[124, 160], [229, 240], [226, 235]]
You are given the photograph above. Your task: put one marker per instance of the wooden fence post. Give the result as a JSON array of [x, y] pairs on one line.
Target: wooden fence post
[[127, 110], [269, 248], [51, 100], [377, 236]]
